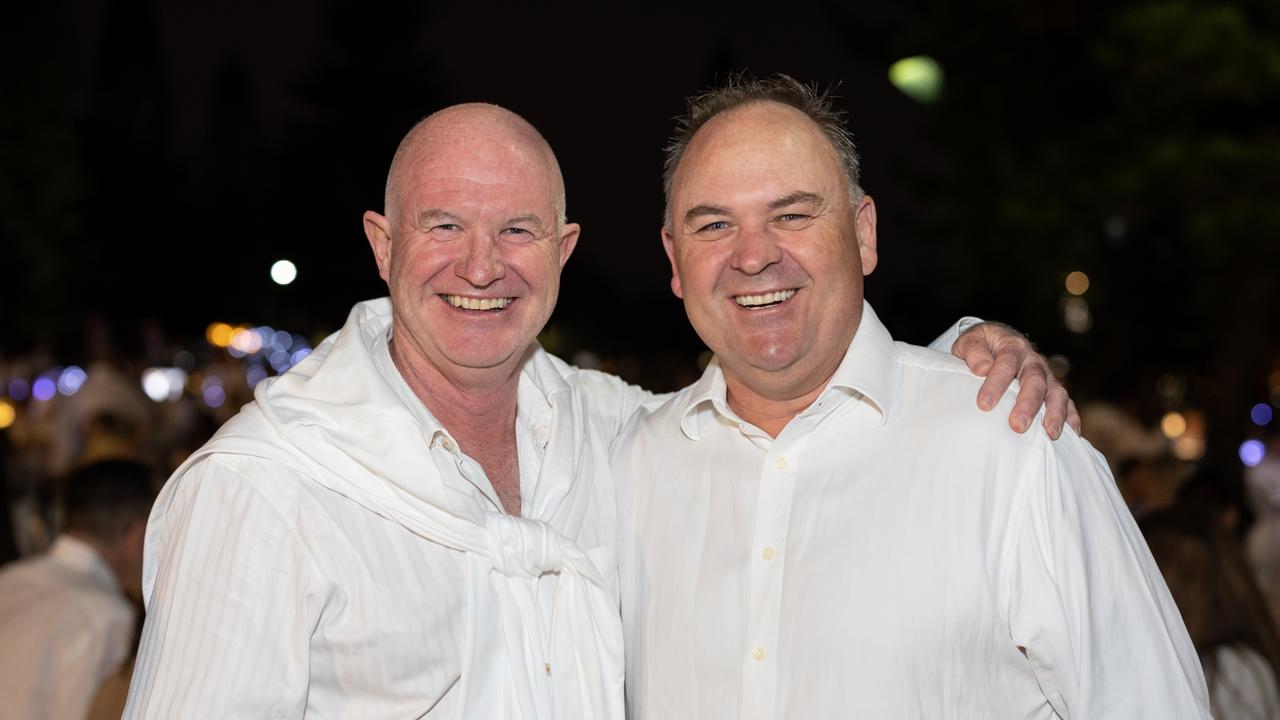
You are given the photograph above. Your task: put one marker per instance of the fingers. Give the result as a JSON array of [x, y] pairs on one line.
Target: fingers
[[1073, 417], [1057, 409], [1033, 389], [972, 347], [1002, 372]]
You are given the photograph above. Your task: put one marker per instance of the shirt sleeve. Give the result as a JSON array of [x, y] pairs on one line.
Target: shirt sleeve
[[948, 338], [1085, 600], [232, 606]]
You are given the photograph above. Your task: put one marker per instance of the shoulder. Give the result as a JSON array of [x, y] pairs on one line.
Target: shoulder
[[937, 395], [604, 396]]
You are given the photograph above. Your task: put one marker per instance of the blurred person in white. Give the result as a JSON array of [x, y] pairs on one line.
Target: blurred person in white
[[824, 526], [1224, 611], [68, 617], [418, 519], [1262, 545]]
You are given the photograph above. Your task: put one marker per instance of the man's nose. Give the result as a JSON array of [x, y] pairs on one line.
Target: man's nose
[[754, 250], [481, 263]]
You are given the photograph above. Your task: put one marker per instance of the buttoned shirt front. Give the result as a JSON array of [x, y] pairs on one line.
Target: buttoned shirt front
[[893, 553], [64, 627]]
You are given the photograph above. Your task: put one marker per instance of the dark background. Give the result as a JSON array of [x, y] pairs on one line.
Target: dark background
[[156, 158]]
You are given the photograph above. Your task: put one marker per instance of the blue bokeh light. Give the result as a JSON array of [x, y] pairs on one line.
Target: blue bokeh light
[[1252, 452], [44, 389], [71, 379], [1260, 414], [214, 396]]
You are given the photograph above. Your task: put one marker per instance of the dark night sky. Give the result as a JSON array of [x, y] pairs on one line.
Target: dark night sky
[[601, 87], [157, 157]]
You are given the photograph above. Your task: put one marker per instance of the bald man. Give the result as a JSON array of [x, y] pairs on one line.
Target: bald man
[[418, 520]]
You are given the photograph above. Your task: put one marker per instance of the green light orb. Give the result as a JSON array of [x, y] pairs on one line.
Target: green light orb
[[918, 77]]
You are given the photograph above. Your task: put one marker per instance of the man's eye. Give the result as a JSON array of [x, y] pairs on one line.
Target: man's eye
[[517, 233], [447, 227], [714, 226], [793, 217]]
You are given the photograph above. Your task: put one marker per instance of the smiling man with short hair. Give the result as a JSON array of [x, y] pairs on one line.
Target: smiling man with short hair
[[824, 526]]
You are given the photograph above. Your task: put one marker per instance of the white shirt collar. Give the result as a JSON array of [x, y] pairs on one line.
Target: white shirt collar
[[868, 371], [540, 383]]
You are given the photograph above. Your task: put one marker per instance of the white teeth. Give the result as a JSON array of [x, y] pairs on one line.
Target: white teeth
[[467, 303], [765, 299]]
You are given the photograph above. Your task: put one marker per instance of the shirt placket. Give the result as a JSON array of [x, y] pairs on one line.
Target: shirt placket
[[767, 559]]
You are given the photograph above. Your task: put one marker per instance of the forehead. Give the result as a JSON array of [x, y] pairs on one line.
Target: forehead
[[477, 172], [766, 145]]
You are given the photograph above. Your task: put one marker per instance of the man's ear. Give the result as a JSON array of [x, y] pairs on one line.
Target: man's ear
[[378, 230], [568, 241], [669, 244], [864, 222]]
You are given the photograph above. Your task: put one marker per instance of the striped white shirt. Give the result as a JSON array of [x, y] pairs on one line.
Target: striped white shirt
[[270, 595]]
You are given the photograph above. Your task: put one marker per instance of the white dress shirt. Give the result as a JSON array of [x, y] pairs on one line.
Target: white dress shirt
[[344, 584], [893, 553], [64, 627]]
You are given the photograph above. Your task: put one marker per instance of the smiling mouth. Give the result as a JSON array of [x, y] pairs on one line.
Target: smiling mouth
[[485, 304], [764, 300]]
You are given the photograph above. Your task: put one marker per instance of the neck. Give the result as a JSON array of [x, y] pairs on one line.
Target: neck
[[769, 413], [467, 401]]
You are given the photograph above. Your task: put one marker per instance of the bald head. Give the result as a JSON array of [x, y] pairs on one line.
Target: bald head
[[473, 133]]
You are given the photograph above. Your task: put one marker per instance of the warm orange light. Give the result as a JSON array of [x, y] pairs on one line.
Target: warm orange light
[[7, 414], [1077, 283], [218, 334], [1173, 425], [1188, 447]]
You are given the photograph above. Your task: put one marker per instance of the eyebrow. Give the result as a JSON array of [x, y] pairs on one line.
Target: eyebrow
[[431, 215], [800, 196], [530, 218], [698, 211]]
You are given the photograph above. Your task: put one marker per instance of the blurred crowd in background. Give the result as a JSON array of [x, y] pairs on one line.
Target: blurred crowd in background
[[68, 435]]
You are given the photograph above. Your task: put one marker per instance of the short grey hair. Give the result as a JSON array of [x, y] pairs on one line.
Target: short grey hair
[[739, 90]]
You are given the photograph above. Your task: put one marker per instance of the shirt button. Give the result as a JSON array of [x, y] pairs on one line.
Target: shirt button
[[781, 462], [768, 553], [758, 653]]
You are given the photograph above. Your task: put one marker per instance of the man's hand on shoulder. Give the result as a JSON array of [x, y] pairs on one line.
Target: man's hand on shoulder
[[999, 353]]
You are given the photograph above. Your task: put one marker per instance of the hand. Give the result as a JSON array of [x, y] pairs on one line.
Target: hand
[[999, 353]]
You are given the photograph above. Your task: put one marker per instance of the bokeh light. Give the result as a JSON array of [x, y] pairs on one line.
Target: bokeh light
[[1076, 315], [8, 413], [245, 341], [299, 355], [1060, 366], [43, 389], [1188, 447], [1171, 388], [1261, 414], [1252, 452], [71, 379], [284, 272], [918, 77], [1077, 283], [1173, 425], [164, 384], [19, 389], [219, 334], [254, 375], [214, 396]]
